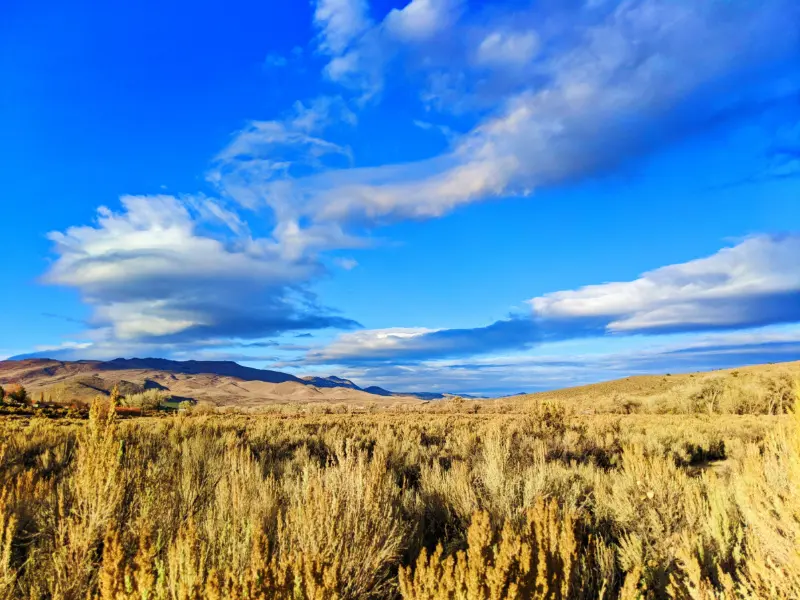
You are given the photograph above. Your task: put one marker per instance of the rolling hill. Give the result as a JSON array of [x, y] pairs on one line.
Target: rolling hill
[[675, 392], [222, 383]]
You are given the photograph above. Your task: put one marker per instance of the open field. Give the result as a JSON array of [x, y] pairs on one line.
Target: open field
[[694, 494]]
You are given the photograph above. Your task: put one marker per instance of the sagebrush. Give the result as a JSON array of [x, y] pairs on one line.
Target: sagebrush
[[446, 502]]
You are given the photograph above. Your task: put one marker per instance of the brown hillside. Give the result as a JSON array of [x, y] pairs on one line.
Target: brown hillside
[[82, 381]]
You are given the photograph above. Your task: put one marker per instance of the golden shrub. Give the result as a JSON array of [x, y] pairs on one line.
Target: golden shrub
[[541, 559], [509, 501]]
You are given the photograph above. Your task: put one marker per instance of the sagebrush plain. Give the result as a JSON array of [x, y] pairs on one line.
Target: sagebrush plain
[[632, 490]]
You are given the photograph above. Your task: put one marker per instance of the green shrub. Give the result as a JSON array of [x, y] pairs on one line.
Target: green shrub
[[147, 400]]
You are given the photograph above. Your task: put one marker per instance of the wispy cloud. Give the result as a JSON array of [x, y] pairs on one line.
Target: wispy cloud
[[348, 264], [409, 345], [340, 23], [345, 29], [508, 48], [610, 85]]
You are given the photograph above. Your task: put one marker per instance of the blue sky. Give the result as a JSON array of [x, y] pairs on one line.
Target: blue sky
[[434, 195]]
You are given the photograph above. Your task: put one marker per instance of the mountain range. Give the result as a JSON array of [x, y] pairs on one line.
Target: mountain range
[[222, 383]]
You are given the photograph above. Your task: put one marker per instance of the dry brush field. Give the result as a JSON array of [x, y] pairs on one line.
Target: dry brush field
[[695, 494]]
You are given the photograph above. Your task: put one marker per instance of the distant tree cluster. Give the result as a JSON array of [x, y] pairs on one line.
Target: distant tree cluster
[[14, 394]]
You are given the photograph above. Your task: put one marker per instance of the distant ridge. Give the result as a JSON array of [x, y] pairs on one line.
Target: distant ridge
[[331, 381], [220, 382], [379, 391], [374, 389], [226, 368]]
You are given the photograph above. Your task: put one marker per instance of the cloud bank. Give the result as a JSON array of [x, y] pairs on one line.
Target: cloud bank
[[752, 284], [514, 373], [151, 273], [756, 282]]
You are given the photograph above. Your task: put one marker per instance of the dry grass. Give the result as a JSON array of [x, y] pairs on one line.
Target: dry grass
[[760, 389], [456, 500]]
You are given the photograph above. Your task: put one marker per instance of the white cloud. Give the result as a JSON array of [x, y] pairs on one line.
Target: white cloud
[[153, 236], [413, 345], [756, 281], [261, 137], [348, 264], [348, 36], [369, 340], [260, 164], [68, 345], [613, 88], [150, 272], [501, 48], [554, 367], [446, 131], [360, 50], [340, 23], [257, 166], [751, 285], [189, 269], [320, 113], [421, 19]]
